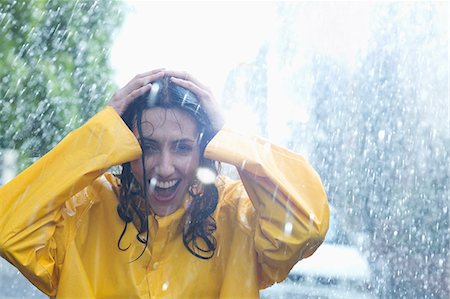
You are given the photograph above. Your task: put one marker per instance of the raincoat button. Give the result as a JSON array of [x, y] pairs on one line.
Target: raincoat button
[[155, 265]]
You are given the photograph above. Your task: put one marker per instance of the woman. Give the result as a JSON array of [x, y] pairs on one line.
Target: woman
[[161, 229]]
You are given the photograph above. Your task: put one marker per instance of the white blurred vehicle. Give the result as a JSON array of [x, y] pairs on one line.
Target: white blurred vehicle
[[337, 270]]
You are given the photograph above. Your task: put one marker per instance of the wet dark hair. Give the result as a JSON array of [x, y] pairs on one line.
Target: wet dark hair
[[199, 225]]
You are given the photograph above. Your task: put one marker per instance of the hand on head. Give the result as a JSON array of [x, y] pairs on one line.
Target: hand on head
[[139, 85], [203, 93], [142, 83]]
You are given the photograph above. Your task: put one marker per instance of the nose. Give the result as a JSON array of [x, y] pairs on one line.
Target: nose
[[165, 167]]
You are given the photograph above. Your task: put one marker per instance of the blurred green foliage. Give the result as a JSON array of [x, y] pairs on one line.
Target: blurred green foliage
[[54, 69]]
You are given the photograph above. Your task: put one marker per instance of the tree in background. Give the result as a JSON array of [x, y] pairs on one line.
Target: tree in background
[[381, 146], [54, 75], [54, 70]]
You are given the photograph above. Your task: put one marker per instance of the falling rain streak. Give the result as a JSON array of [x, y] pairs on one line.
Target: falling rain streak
[[373, 119]]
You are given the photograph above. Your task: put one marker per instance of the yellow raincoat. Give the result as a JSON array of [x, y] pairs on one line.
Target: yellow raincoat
[[60, 228]]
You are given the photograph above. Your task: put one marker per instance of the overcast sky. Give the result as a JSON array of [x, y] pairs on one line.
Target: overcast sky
[[205, 38], [209, 39]]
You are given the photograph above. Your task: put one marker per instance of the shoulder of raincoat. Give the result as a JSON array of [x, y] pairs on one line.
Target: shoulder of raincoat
[[60, 228]]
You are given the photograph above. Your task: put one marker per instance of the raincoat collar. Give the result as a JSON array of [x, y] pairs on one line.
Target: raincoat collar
[[173, 219], [171, 224]]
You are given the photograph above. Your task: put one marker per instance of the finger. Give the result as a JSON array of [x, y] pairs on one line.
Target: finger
[[142, 81], [177, 74], [149, 73], [185, 76], [149, 78], [137, 93], [190, 85]]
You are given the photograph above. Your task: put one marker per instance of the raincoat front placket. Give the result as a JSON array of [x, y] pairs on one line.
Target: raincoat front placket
[[165, 231]]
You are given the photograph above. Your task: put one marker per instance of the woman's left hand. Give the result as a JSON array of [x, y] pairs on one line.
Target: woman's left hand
[[203, 94]]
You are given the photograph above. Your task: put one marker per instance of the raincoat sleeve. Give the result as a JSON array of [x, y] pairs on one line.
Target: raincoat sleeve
[[33, 232], [290, 208]]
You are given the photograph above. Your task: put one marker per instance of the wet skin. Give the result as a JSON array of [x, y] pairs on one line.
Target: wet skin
[[172, 157]]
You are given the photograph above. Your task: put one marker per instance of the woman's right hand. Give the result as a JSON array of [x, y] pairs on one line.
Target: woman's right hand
[[139, 85]]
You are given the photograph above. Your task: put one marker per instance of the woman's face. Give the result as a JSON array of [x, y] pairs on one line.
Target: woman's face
[[172, 154]]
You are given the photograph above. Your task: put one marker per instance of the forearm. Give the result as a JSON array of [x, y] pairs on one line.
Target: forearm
[[31, 203], [75, 162], [291, 205]]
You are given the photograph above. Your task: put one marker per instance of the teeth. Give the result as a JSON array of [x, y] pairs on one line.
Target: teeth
[[165, 185]]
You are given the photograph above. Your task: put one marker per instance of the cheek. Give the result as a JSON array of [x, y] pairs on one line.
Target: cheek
[[149, 164], [189, 165]]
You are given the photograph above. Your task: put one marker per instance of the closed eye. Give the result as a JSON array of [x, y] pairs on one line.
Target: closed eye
[[150, 146], [183, 147]]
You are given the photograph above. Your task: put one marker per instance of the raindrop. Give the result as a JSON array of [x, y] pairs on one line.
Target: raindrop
[[312, 217], [288, 228], [153, 92], [152, 184], [243, 164], [206, 175], [381, 135], [165, 286]]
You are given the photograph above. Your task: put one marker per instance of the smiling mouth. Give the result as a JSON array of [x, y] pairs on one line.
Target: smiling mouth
[[163, 190]]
